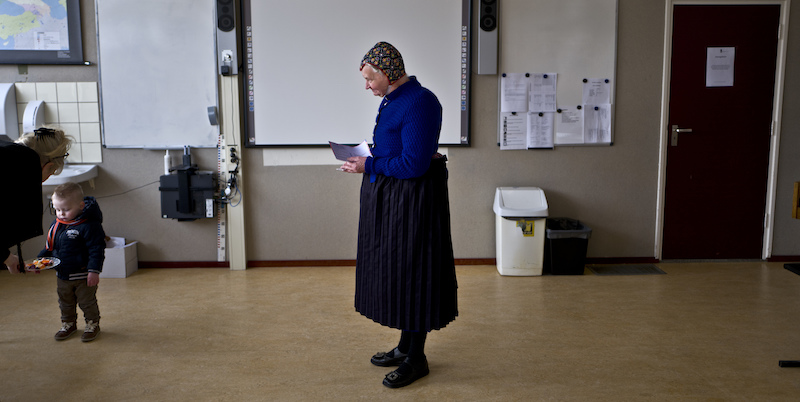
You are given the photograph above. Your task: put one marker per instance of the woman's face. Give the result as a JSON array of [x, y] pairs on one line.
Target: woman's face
[[375, 81], [47, 170]]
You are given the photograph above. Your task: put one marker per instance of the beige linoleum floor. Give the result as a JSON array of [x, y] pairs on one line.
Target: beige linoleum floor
[[703, 332]]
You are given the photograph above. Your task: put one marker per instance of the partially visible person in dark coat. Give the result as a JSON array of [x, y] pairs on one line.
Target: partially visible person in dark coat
[[25, 164], [405, 272]]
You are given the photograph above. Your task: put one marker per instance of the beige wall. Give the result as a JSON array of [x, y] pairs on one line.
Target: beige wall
[[787, 230], [311, 212]]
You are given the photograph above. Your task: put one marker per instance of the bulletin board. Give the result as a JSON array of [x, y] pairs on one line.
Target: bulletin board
[[304, 87], [575, 39], [158, 73]]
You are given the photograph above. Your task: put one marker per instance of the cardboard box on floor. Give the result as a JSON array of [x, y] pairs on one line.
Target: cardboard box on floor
[[121, 258]]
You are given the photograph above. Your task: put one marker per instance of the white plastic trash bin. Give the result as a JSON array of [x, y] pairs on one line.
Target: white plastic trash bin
[[521, 215]]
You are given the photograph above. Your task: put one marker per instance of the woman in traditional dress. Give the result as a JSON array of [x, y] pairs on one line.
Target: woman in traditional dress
[[405, 273]]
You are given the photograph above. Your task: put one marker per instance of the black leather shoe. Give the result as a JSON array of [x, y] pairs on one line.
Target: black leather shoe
[[384, 360], [406, 374]]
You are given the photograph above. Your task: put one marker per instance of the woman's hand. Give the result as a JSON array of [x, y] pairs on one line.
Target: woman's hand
[[354, 164], [12, 263]]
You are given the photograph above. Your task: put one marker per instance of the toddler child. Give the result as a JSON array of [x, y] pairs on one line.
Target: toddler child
[[76, 238]]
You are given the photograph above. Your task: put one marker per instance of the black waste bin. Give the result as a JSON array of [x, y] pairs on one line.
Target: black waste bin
[[565, 246]]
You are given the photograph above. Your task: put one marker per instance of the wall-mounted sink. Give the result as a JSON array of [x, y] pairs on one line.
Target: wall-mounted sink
[[73, 173]]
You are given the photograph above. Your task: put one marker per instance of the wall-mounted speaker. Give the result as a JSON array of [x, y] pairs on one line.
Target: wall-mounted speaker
[[487, 38], [227, 54]]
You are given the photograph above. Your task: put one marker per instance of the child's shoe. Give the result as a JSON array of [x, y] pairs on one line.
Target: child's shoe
[[91, 331], [67, 329]]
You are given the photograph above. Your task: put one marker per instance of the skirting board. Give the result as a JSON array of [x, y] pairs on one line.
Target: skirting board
[[352, 263], [284, 263]]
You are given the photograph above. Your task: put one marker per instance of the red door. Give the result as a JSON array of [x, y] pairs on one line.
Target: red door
[[718, 161]]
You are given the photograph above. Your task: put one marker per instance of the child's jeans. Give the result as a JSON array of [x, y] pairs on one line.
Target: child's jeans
[[77, 293]]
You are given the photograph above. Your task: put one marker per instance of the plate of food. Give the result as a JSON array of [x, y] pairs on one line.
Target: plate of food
[[42, 263]]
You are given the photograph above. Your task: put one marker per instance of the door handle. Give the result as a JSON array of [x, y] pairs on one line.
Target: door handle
[[675, 131]]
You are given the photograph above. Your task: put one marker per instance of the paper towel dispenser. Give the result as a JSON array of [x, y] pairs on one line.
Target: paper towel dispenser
[[9, 126], [33, 117]]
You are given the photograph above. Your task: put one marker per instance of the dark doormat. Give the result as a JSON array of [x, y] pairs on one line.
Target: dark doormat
[[626, 269], [793, 267]]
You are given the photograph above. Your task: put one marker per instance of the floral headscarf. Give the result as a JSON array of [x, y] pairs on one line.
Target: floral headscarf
[[388, 59]]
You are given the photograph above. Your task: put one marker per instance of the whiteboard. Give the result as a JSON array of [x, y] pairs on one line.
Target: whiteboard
[[158, 75], [577, 39], [304, 86]]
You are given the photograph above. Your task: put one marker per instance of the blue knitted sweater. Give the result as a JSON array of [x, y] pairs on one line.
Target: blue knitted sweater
[[406, 133]]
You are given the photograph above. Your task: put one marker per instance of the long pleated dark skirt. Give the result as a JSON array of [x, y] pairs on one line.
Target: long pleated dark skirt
[[405, 273]]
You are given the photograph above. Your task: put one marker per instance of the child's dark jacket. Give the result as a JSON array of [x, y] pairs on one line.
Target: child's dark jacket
[[80, 246]]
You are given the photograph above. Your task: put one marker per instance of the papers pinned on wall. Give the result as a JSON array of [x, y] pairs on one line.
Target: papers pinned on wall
[[583, 125], [596, 111], [596, 91], [543, 92], [597, 124], [520, 93], [569, 126], [513, 130], [514, 93], [527, 104], [540, 130], [531, 117], [526, 130]]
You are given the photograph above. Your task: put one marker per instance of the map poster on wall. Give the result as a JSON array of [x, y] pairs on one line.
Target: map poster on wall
[[40, 32]]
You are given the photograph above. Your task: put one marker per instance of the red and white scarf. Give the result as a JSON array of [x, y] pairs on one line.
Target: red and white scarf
[[51, 234]]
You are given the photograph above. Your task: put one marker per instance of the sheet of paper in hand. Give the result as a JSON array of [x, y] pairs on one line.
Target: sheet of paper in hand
[[342, 152]]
